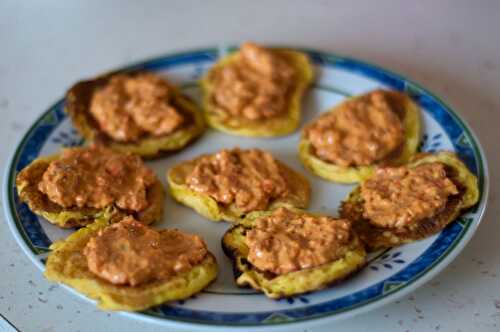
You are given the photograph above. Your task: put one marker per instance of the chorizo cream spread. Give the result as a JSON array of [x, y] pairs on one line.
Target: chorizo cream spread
[[256, 86], [129, 253], [129, 106], [360, 132], [249, 178], [287, 241], [401, 196], [97, 177]]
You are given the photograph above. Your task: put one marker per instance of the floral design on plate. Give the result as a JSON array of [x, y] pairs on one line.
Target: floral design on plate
[[392, 275]]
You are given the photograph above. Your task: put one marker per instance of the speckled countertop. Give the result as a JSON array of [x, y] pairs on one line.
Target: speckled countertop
[[451, 47]]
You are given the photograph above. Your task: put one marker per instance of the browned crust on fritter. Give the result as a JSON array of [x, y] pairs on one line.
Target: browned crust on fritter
[[377, 237], [37, 201], [298, 196], [232, 254], [78, 100], [29, 178]]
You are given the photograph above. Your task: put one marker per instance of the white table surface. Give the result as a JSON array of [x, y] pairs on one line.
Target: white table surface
[[451, 47]]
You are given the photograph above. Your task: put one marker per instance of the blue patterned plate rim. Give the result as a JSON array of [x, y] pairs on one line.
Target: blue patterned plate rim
[[444, 249]]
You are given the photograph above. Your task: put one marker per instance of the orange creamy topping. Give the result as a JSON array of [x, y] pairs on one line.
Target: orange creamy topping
[[360, 132], [256, 86], [97, 177], [249, 178], [129, 253], [401, 196], [287, 241], [130, 106]]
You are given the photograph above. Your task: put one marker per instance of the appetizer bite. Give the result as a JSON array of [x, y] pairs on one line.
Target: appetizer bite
[[129, 266], [81, 184], [139, 112], [256, 91], [403, 204], [289, 252], [345, 144], [232, 183]]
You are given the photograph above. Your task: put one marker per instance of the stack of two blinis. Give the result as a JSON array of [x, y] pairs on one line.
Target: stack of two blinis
[[276, 246]]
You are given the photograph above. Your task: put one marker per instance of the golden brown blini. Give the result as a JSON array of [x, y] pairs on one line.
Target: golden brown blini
[[406, 204], [135, 112], [348, 142], [256, 91], [81, 184], [289, 252], [232, 183], [130, 281]]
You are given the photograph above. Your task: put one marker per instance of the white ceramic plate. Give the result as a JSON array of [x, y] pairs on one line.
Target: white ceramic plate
[[389, 275]]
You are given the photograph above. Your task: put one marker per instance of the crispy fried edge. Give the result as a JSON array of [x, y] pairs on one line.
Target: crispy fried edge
[[26, 185], [377, 237], [334, 173], [67, 264], [247, 275], [278, 126], [77, 103], [210, 209]]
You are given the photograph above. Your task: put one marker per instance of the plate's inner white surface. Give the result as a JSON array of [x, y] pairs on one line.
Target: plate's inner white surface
[[223, 295]]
